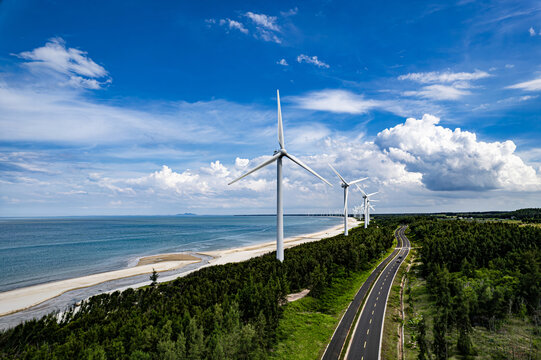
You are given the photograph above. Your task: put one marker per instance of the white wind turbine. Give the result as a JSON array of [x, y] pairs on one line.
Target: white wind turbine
[[346, 185], [367, 206], [277, 156]]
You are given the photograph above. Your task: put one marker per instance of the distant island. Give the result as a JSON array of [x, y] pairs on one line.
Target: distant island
[[186, 214]]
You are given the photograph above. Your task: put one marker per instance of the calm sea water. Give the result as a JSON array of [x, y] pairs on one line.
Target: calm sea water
[[35, 251]]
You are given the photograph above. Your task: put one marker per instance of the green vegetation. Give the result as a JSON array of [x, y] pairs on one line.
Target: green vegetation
[[154, 277], [221, 312], [476, 281], [308, 324]]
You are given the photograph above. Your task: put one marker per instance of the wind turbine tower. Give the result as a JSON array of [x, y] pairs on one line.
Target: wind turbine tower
[[345, 185], [277, 156], [366, 205]]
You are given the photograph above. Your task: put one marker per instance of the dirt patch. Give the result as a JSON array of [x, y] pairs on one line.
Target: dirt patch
[[297, 296]]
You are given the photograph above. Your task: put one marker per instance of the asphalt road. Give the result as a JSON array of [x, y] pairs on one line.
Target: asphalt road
[[338, 339], [365, 343]]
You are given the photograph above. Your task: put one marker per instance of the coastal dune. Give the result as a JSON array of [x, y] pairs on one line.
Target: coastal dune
[[20, 299]]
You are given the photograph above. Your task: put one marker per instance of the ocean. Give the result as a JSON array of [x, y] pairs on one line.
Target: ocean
[[40, 250]]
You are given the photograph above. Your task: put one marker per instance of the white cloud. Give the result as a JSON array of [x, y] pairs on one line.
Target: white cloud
[[438, 92], [509, 66], [532, 85], [439, 88], [312, 60], [444, 77], [267, 36], [282, 62], [415, 165], [73, 63], [241, 163], [62, 116], [185, 183], [266, 21], [527, 97], [531, 31], [290, 12], [455, 160], [232, 24], [338, 101]]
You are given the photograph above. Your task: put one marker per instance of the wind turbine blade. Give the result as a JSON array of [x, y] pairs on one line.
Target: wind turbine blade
[[280, 126], [361, 190], [306, 167], [374, 200], [272, 159], [356, 181], [373, 193], [371, 207], [336, 172]]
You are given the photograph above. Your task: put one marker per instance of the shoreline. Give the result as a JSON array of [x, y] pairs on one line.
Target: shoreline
[[25, 298]]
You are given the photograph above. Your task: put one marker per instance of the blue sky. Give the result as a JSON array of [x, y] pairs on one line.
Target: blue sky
[[152, 107]]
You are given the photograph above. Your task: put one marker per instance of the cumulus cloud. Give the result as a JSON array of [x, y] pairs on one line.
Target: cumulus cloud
[[532, 85], [241, 163], [444, 77], [80, 70], [338, 101], [416, 154], [312, 60], [184, 183], [282, 62], [414, 165], [531, 31], [455, 159]]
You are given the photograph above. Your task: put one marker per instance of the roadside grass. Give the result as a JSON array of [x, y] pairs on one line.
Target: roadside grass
[[393, 321], [515, 338], [417, 303], [307, 325]]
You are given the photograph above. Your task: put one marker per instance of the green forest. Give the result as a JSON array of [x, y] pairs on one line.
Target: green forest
[[531, 215], [478, 274], [219, 312]]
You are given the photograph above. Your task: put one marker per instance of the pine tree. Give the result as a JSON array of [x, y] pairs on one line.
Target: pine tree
[[154, 278], [440, 329], [421, 340]]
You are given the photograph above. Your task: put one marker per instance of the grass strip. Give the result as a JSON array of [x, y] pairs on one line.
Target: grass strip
[[308, 324]]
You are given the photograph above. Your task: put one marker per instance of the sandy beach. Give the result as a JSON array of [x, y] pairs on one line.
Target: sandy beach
[[19, 299], [248, 252]]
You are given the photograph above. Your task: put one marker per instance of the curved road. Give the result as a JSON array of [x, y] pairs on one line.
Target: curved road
[[334, 349], [366, 340]]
